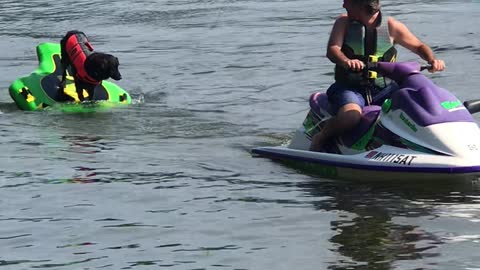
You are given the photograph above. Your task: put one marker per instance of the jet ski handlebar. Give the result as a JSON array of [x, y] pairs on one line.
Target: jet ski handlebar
[[396, 71], [423, 67]]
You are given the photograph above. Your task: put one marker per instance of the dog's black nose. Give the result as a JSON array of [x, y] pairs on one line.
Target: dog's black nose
[[116, 75]]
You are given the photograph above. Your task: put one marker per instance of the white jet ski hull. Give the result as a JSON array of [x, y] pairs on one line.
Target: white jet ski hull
[[384, 163]]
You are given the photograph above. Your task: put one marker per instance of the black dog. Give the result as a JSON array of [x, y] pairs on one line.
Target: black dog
[[88, 68]]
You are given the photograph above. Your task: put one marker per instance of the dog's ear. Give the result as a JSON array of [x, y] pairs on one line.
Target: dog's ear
[[95, 66], [114, 72], [102, 66]]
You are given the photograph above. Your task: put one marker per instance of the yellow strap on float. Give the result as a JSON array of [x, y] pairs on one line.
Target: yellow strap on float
[[85, 93], [71, 91], [25, 92], [123, 98], [30, 98]]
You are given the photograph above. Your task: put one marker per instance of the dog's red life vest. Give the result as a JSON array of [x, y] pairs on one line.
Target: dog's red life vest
[[78, 49]]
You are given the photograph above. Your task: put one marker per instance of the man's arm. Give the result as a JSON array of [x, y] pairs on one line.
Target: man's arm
[[402, 35], [334, 50]]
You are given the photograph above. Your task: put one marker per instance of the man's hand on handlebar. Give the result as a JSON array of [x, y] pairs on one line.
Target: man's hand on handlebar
[[354, 64], [436, 65]]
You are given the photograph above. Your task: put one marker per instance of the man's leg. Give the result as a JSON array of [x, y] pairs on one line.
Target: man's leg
[[347, 117]]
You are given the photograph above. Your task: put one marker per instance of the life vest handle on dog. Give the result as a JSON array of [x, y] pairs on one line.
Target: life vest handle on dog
[[78, 48]]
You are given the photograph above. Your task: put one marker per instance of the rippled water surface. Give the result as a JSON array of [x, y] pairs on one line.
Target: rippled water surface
[[169, 182]]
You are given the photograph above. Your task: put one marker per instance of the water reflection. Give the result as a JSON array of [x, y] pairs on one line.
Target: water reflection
[[83, 175], [87, 144], [374, 232]]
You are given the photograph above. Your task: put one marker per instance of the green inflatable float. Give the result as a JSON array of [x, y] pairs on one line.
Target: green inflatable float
[[39, 90]]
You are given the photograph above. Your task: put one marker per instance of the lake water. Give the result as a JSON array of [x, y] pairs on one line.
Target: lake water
[[169, 182]]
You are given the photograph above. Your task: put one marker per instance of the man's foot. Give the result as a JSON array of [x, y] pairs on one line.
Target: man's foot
[[317, 143]]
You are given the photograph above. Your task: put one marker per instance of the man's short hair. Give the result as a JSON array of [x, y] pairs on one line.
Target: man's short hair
[[372, 6]]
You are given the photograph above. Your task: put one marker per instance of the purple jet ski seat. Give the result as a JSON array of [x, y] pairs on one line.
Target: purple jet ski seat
[[320, 101], [369, 116]]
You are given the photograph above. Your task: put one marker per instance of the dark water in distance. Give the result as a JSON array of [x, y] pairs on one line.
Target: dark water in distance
[[169, 183]]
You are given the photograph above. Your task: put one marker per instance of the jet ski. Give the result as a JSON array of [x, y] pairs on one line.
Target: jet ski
[[40, 89], [419, 131]]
